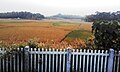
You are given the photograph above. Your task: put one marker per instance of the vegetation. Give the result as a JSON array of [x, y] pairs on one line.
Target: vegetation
[[104, 16], [19, 33], [61, 16], [107, 34], [21, 15], [79, 34]]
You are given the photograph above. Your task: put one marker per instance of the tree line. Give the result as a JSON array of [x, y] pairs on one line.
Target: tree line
[[22, 15], [104, 16], [62, 16]]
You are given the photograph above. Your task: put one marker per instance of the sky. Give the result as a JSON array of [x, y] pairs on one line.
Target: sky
[[53, 7]]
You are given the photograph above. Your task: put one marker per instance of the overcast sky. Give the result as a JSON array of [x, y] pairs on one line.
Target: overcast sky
[[52, 7]]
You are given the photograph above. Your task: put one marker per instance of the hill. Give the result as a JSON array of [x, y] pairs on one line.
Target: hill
[[61, 16]]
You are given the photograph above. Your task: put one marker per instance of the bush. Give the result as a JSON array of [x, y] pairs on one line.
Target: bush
[[32, 43], [107, 34]]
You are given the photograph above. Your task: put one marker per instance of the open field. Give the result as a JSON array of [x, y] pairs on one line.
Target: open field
[[15, 31]]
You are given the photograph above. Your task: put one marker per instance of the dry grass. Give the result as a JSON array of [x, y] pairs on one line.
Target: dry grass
[[15, 31]]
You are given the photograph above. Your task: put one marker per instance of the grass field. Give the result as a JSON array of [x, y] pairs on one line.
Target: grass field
[[15, 31]]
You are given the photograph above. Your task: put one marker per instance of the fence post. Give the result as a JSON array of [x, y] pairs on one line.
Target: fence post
[[26, 59], [68, 59], [110, 60]]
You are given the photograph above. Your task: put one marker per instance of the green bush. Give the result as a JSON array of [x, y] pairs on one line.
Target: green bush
[[107, 34]]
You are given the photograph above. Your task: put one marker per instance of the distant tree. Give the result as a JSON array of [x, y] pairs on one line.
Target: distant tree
[[61, 16], [107, 34], [22, 15], [104, 16]]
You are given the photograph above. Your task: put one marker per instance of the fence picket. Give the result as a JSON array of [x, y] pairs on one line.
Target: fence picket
[[64, 61], [42, 60], [114, 61], [91, 61], [56, 61], [7, 62], [98, 61], [31, 61], [14, 61], [49, 60], [46, 61], [4, 61], [102, 62], [10, 62], [95, 62], [80, 61], [21, 60], [73, 60], [39, 59], [105, 61], [87, 60], [84, 61], [76, 61], [18, 60], [53, 66], [60, 61], [35, 60]]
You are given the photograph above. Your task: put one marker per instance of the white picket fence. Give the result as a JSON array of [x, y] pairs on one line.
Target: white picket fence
[[60, 60]]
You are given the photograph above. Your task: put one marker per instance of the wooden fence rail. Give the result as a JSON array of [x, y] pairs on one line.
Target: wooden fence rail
[[59, 60]]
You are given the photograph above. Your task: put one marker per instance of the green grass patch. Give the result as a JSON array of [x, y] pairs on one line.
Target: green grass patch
[[82, 34], [56, 23], [62, 23]]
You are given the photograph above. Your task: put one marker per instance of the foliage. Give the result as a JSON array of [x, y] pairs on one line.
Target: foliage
[[104, 16], [61, 16], [32, 43], [2, 44], [107, 34], [90, 42], [21, 15], [48, 34], [11, 50]]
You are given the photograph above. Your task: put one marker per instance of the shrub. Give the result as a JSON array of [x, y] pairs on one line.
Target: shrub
[[107, 34]]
